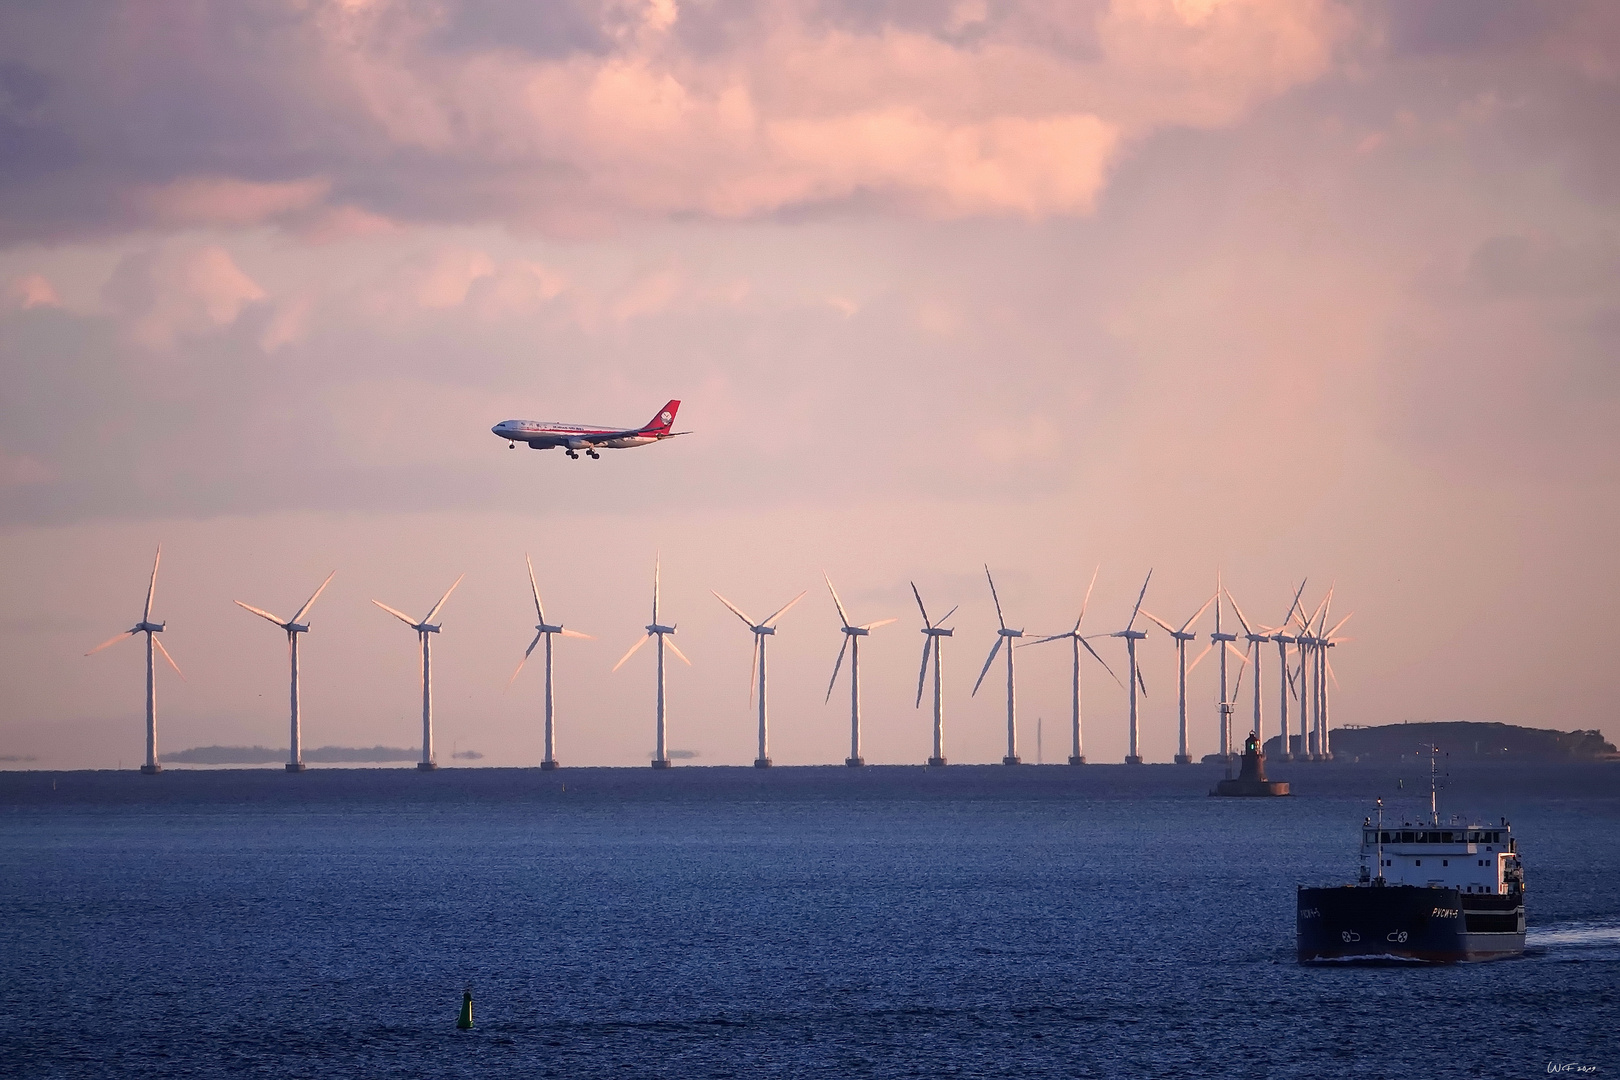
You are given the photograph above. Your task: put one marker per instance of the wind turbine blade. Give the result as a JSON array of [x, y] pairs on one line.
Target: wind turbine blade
[[1331, 675], [151, 589], [574, 633], [1296, 606], [988, 661], [400, 615], [947, 617], [658, 569], [1140, 597], [170, 659], [1243, 657], [1200, 611], [112, 641], [1333, 633], [783, 610], [1101, 661], [1206, 652], [875, 625], [677, 651], [735, 610], [1242, 619], [525, 659], [261, 613], [429, 616], [1167, 627], [836, 665], [639, 643], [1140, 682], [1050, 637], [1087, 600], [922, 673], [926, 623], [837, 603], [539, 612], [1237, 684], [298, 618], [994, 597]]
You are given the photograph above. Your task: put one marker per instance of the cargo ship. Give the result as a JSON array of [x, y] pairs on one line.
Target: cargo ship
[[1428, 893]]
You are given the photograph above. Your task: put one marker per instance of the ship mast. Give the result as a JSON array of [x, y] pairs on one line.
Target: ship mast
[[1434, 815]]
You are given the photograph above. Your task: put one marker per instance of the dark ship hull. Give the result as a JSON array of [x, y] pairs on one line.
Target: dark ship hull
[[1372, 924]]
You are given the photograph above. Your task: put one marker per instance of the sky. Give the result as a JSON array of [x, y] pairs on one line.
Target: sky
[[1278, 290]]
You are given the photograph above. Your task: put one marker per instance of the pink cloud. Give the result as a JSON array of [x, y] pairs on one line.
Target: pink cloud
[[174, 291], [31, 291], [227, 201], [800, 112]]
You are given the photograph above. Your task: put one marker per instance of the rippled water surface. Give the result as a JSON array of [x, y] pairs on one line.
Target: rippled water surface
[[982, 921]]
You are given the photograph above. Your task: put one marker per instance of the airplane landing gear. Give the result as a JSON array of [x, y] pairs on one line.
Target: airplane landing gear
[[573, 455], [593, 455], [511, 446]]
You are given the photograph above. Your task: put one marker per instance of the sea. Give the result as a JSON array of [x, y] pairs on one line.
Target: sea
[[973, 921]]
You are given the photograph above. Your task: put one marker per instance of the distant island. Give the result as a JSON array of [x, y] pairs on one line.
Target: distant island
[[1460, 739], [267, 755]]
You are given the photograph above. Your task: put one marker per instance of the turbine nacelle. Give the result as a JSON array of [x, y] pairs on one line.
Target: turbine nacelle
[[655, 628], [936, 631], [1134, 635], [148, 627], [1004, 632]]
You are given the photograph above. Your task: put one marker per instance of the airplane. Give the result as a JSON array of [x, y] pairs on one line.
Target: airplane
[[544, 435]]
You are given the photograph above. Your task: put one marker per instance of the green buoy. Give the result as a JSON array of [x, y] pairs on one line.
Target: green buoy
[[464, 1022]]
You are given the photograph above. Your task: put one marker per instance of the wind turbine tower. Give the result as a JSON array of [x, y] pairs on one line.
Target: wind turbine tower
[[293, 626], [1223, 642], [656, 629], [148, 627], [761, 631], [1181, 637], [852, 642], [932, 633], [1132, 636], [545, 630], [424, 628], [1005, 637], [1078, 757]]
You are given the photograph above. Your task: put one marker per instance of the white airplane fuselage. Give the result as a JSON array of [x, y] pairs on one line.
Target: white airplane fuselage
[[547, 435]]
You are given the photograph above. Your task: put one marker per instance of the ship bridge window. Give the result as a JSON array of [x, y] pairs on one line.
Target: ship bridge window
[[1406, 838], [1445, 838]]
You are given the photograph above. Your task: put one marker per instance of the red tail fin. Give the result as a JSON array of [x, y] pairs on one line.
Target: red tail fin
[[660, 424]]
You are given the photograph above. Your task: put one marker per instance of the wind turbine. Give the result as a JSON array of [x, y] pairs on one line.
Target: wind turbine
[[932, 632], [852, 642], [1257, 636], [1310, 737], [1078, 756], [1003, 637], [761, 631], [423, 629], [1329, 641], [1181, 638], [293, 626], [1223, 642], [1131, 637], [658, 630], [148, 627], [545, 630]]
